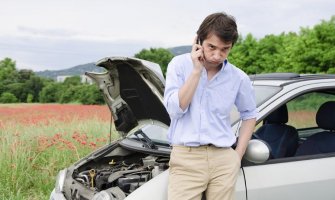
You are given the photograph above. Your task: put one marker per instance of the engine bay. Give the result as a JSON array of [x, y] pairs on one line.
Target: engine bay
[[120, 172]]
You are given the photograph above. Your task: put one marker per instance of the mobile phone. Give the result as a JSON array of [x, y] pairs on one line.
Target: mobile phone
[[199, 41]]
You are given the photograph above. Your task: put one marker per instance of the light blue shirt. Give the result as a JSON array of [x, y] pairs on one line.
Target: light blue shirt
[[207, 119]]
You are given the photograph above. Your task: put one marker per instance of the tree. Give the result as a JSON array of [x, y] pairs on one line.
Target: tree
[[160, 56], [89, 94], [19, 90], [34, 85], [51, 93], [325, 34], [310, 51], [25, 75], [30, 98], [8, 97], [69, 94], [269, 50], [244, 54], [8, 73], [73, 80]]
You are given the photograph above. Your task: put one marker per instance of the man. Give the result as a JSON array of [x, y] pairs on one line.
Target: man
[[201, 89]]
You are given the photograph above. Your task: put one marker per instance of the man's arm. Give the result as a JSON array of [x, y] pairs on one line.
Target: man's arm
[[187, 91], [246, 130]]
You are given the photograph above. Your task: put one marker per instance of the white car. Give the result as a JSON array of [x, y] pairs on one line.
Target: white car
[[291, 155]]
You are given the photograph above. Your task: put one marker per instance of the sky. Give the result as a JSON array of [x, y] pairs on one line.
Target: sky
[[59, 34]]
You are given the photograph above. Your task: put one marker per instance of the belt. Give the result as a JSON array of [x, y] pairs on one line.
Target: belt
[[208, 145]]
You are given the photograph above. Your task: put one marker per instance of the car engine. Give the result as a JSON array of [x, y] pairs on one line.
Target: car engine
[[120, 173]]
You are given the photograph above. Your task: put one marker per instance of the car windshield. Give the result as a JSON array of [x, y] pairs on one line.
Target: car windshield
[[158, 132]]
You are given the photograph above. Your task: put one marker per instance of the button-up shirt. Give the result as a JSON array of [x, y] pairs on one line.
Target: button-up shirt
[[207, 118]]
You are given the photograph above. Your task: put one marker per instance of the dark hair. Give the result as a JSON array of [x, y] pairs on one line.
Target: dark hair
[[222, 25]]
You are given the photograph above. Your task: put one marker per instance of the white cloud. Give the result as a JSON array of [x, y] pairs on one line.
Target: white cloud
[[58, 34]]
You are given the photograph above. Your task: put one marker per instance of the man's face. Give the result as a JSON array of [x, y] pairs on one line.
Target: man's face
[[215, 51]]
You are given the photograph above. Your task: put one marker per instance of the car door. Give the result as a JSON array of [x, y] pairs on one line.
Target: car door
[[307, 177], [291, 180]]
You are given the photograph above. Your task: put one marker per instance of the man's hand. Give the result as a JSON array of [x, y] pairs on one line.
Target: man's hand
[[197, 55]]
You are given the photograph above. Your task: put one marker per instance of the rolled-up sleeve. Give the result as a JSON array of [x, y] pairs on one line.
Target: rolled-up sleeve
[[174, 80], [245, 101]]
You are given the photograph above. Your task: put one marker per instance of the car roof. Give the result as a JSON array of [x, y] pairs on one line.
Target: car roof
[[281, 79]]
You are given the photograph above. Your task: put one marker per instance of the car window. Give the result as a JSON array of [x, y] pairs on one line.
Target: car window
[[302, 110], [262, 92], [291, 130]]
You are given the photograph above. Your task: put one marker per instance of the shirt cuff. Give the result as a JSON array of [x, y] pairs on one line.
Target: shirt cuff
[[249, 114], [173, 107]]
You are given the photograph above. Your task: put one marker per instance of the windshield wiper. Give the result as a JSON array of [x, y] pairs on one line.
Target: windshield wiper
[[147, 141]]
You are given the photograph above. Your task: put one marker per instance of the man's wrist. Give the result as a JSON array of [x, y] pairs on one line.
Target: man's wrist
[[196, 72]]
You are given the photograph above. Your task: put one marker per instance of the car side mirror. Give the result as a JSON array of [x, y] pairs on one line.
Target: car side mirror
[[257, 151]]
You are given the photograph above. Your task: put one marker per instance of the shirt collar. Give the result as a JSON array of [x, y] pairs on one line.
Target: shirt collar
[[224, 64]]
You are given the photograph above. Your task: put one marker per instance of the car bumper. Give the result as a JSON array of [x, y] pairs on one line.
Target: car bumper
[[56, 196]]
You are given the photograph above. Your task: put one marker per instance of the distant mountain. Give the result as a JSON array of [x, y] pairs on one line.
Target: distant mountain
[[91, 67], [73, 71], [180, 50]]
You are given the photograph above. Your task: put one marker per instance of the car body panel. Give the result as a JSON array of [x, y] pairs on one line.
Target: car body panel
[[304, 179]]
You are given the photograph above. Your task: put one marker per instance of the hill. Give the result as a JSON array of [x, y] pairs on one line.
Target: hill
[[180, 50], [81, 69], [73, 71]]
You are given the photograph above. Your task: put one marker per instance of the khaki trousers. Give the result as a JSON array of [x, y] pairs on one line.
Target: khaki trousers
[[209, 169]]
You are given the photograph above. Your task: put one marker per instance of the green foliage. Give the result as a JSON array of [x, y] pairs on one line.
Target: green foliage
[[19, 90], [311, 101], [310, 51], [84, 93], [90, 94], [68, 95], [19, 83], [7, 70], [160, 56], [243, 54], [35, 85], [30, 98], [51, 93], [25, 75], [73, 80], [8, 97]]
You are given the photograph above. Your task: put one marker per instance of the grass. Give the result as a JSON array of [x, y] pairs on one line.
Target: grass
[[37, 140]]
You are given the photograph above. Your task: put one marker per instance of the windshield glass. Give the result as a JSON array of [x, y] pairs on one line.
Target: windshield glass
[[156, 132]]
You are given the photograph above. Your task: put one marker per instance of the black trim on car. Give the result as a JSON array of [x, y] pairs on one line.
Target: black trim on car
[[290, 76], [159, 151], [274, 76]]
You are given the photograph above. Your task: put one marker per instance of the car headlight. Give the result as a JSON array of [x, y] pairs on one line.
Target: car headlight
[[60, 180]]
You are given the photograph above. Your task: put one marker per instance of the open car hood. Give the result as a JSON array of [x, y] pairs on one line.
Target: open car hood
[[133, 89]]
